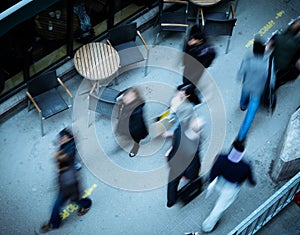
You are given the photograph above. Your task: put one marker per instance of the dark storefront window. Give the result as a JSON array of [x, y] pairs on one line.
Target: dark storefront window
[[41, 41], [33, 45]]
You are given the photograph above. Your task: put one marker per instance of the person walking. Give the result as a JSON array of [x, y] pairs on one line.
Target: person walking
[[131, 122], [197, 50], [227, 175], [183, 158], [68, 190], [254, 74], [286, 51], [66, 143]]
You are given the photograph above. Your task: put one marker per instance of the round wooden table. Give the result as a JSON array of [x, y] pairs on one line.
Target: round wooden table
[[203, 3], [97, 62]]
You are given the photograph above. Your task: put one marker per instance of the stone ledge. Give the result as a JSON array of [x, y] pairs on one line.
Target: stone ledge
[[287, 163]]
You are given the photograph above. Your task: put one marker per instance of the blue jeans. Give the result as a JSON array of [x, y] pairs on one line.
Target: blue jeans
[[55, 219], [252, 103]]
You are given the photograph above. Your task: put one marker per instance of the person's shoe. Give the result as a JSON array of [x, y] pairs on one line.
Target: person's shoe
[[243, 109], [82, 211], [131, 154], [170, 204], [46, 228], [77, 166]]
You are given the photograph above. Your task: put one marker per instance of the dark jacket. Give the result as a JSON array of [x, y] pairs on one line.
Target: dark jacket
[[184, 158], [68, 183], [204, 53], [70, 149], [131, 120], [233, 172]]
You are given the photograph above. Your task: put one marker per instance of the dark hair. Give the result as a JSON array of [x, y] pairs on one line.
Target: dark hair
[[196, 32], [187, 88], [65, 132], [258, 46]]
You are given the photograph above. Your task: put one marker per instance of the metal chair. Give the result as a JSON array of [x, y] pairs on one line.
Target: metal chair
[[123, 39], [220, 23], [104, 103], [170, 18], [42, 92]]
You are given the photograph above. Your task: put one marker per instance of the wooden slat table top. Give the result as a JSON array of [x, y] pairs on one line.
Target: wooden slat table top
[[203, 3], [96, 61]]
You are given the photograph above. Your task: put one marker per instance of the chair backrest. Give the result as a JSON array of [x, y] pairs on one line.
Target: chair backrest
[[219, 27], [165, 4], [42, 83], [122, 34], [105, 102]]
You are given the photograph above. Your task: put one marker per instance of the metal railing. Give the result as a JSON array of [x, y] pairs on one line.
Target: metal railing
[[270, 208]]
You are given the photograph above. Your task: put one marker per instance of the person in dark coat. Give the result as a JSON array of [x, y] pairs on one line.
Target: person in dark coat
[[68, 190], [286, 52], [131, 120], [198, 47], [183, 159], [67, 144]]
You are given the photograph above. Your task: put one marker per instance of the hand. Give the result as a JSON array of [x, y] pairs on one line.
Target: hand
[[168, 134]]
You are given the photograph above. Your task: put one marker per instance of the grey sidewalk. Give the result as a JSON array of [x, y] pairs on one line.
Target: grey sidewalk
[[28, 171]]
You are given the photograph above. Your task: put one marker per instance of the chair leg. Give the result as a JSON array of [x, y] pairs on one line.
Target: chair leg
[[146, 63], [227, 47], [89, 117], [236, 4], [28, 105], [116, 82], [42, 127], [154, 43]]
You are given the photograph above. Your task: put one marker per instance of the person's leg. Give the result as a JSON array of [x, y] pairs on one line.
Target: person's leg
[[172, 191], [55, 218], [228, 194], [244, 101], [134, 149], [252, 109]]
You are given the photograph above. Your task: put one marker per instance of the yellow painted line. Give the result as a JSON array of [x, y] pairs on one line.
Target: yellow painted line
[[265, 28], [70, 208]]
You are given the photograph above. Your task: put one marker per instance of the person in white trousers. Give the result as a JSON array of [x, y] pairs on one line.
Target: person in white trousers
[[226, 176]]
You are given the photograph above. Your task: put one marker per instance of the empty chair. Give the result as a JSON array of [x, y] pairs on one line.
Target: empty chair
[[123, 39], [104, 103], [220, 23], [173, 16], [42, 92]]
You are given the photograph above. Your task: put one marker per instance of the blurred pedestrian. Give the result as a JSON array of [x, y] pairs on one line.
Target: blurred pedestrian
[[183, 159], [67, 144], [197, 47], [227, 175], [181, 109], [68, 190], [254, 74], [286, 52], [131, 122]]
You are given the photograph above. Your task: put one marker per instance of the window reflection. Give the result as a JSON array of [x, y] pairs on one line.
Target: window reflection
[[41, 41]]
